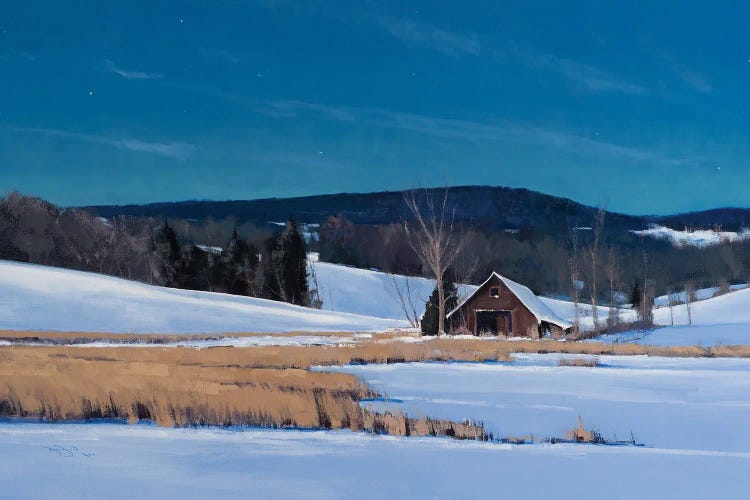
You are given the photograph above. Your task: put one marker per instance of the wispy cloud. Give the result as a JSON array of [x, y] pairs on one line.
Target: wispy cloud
[[689, 77], [129, 74], [590, 77], [179, 150], [456, 44], [428, 36], [450, 128]]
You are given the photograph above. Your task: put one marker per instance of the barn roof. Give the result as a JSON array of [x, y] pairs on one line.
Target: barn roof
[[528, 298]]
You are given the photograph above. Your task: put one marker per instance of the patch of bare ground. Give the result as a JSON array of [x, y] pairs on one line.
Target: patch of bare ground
[[185, 387]]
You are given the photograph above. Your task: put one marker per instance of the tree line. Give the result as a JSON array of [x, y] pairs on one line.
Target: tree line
[[270, 265]]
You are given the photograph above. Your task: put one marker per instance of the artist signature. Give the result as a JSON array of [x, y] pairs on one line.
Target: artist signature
[[68, 451]]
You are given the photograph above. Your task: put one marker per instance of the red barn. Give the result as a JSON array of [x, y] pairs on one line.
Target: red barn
[[501, 306]]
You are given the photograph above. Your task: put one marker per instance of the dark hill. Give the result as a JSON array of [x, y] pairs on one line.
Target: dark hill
[[485, 206], [495, 207]]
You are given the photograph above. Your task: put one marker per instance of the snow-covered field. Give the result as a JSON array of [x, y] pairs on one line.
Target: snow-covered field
[[47, 298], [52, 299], [691, 414], [720, 320], [43, 298], [688, 404], [686, 335], [117, 461]]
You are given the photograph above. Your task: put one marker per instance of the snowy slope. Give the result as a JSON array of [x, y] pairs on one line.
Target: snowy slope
[[701, 294], [372, 293], [715, 321], [46, 298], [725, 309]]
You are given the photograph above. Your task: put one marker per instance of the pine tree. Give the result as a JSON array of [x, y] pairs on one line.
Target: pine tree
[[168, 249], [431, 314], [285, 267], [273, 287], [635, 296], [294, 265], [241, 261]]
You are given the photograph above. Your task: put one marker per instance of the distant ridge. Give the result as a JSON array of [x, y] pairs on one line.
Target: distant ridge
[[487, 206]]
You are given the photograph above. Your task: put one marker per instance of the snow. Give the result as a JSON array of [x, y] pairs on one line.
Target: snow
[[697, 238], [565, 309], [212, 250], [686, 335], [43, 298], [36, 297], [691, 414], [372, 293], [250, 341], [692, 405], [720, 320], [701, 294], [537, 307]]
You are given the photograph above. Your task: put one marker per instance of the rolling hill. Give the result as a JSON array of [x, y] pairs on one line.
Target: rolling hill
[[487, 206], [34, 297]]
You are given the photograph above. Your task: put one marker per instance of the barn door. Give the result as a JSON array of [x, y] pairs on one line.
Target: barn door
[[494, 322], [504, 323]]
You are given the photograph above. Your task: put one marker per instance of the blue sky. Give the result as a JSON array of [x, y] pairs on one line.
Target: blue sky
[[643, 110]]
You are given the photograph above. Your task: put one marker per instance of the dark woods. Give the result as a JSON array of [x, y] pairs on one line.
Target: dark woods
[[181, 254]]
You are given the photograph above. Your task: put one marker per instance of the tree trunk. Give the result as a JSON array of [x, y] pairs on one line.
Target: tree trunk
[[441, 305]]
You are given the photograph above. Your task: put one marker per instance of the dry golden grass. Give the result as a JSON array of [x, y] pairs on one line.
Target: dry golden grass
[[600, 348], [181, 387], [64, 338], [264, 386], [372, 350]]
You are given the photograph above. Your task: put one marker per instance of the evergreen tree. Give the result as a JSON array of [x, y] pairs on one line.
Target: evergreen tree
[[635, 296], [168, 249], [431, 314], [294, 265], [193, 270], [271, 265], [241, 266], [285, 267]]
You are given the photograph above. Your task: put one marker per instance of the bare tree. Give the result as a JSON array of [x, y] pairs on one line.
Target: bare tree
[[613, 277], [315, 299], [671, 301], [689, 299], [406, 300], [593, 251], [434, 238], [575, 278], [647, 301]]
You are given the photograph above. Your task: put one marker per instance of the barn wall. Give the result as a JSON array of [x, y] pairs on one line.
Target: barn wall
[[524, 323]]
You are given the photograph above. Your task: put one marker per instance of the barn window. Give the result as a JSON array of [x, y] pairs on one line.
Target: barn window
[[494, 292]]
